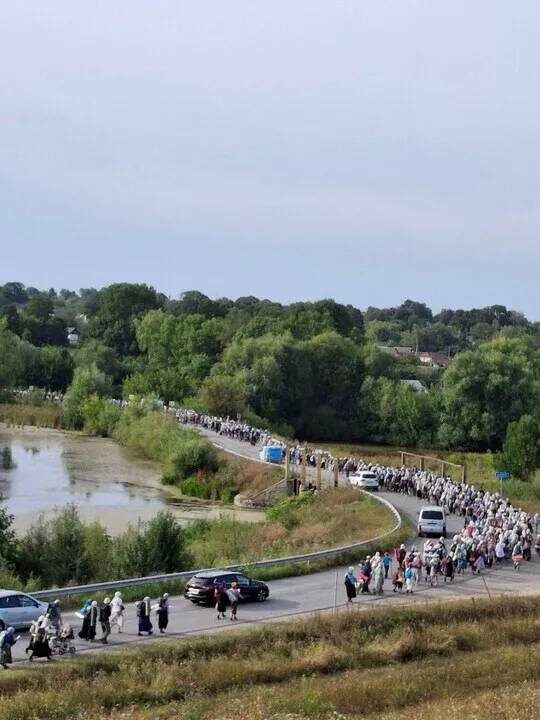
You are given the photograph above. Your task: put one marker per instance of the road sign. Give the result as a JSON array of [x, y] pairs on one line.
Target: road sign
[[502, 474]]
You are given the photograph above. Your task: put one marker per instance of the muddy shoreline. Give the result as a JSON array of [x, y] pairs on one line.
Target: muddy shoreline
[[99, 476]]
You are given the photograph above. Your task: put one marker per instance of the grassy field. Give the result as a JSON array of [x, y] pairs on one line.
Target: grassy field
[[479, 467], [478, 660]]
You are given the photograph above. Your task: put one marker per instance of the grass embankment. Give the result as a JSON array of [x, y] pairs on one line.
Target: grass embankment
[[475, 659], [20, 415], [479, 466], [295, 526], [190, 463]]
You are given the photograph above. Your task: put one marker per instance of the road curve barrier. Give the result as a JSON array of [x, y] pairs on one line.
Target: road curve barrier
[[187, 574]]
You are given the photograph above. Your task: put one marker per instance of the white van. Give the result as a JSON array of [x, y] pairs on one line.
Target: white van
[[431, 521]]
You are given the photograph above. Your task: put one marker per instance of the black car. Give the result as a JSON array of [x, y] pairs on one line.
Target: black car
[[200, 589]]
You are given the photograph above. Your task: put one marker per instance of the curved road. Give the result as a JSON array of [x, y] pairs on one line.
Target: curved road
[[311, 593]]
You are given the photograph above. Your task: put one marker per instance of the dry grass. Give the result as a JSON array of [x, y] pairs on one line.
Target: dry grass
[[415, 663], [332, 518], [19, 415], [251, 476]]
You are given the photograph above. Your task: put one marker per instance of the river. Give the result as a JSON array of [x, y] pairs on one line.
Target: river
[[103, 480]]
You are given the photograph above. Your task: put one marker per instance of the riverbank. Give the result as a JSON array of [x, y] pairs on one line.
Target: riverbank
[[415, 662], [99, 476]]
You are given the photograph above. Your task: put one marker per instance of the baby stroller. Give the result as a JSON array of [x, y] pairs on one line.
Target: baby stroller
[[62, 642]]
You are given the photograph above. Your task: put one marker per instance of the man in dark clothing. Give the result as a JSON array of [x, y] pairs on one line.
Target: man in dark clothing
[[105, 620]]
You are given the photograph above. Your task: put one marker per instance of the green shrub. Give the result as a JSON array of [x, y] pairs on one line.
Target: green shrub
[[192, 455]]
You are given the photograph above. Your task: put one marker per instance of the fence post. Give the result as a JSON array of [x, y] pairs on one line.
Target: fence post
[[319, 470], [336, 472], [304, 467], [422, 462], [286, 462]]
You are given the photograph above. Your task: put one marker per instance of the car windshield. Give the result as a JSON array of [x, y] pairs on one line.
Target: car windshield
[[432, 515], [369, 476]]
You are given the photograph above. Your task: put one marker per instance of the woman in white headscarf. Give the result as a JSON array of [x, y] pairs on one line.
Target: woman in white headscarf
[[117, 611]]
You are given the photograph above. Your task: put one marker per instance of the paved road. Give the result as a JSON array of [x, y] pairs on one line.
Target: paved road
[[291, 597]]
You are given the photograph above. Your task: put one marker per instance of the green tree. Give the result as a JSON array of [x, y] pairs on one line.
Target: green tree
[[9, 356], [8, 541], [224, 394], [485, 389], [521, 449], [118, 306], [87, 381]]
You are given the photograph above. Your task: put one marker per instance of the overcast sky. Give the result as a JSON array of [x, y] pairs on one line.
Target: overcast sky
[[368, 151]]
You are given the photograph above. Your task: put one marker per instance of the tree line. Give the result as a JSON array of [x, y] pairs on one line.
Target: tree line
[[312, 370]]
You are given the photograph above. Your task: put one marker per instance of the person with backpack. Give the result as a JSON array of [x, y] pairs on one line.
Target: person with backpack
[[234, 595], [143, 613], [88, 629], [105, 620], [162, 611], [7, 641]]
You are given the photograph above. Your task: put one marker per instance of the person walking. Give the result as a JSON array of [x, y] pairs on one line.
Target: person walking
[[517, 555], [222, 600], [409, 576], [117, 611], [39, 644], [105, 620], [7, 641], [350, 584], [143, 611], [88, 629], [163, 612], [55, 616], [234, 595], [387, 563]]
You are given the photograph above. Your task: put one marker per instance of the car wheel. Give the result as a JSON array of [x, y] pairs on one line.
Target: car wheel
[[195, 602], [261, 595], [420, 533]]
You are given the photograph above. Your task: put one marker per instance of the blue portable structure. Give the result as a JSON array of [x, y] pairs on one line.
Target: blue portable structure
[[271, 453]]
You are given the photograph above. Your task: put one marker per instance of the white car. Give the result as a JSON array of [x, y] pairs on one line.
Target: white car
[[20, 610], [364, 479], [431, 521]]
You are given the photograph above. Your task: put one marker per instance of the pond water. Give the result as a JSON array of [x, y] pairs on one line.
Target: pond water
[[52, 468]]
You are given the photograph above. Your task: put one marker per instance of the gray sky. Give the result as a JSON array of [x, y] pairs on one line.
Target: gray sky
[[368, 151]]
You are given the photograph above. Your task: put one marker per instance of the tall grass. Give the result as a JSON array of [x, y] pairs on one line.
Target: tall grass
[[382, 663], [19, 415]]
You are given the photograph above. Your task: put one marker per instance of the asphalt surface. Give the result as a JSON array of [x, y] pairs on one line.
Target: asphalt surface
[[322, 591]]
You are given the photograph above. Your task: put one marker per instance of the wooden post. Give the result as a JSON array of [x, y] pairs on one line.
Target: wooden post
[[463, 473], [442, 468], [336, 472], [422, 462], [304, 467], [402, 457], [319, 470], [286, 462]]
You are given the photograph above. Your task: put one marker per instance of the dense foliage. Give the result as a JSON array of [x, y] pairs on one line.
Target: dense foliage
[[314, 370]]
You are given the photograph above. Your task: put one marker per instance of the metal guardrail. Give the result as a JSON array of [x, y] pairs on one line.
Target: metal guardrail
[[185, 575]]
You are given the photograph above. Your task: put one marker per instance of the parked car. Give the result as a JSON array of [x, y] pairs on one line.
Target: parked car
[[431, 521], [200, 589], [20, 610], [364, 479]]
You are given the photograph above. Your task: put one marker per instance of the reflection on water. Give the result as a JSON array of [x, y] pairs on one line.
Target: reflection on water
[[51, 469]]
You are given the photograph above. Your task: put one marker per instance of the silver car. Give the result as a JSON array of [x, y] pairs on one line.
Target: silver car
[[20, 610]]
